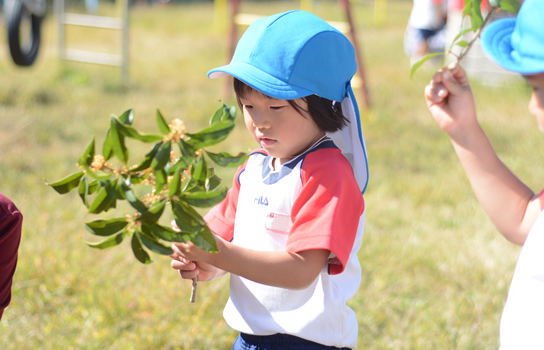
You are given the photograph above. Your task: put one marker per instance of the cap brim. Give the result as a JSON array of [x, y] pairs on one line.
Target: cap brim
[[260, 81], [496, 42]]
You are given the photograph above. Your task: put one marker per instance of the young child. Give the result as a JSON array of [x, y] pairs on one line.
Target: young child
[[517, 45], [291, 225]]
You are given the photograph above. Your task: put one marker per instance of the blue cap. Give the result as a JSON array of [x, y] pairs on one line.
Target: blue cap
[[291, 55], [517, 44], [296, 54]]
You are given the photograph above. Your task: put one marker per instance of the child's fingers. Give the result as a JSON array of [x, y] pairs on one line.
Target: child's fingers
[[188, 274], [458, 74], [448, 85], [175, 226], [435, 93], [179, 258], [183, 265], [178, 248]]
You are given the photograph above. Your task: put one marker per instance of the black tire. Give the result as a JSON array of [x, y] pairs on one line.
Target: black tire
[[23, 55]]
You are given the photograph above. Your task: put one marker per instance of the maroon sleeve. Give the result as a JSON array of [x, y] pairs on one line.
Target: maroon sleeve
[[11, 222]]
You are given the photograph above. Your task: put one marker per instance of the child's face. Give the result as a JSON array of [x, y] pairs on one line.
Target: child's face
[[278, 127], [536, 105]]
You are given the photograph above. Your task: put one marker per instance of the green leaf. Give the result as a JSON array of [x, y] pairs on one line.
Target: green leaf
[[105, 199], [187, 219], [510, 5], [107, 151], [181, 164], [476, 19], [211, 135], [87, 156], [199, 172], [218, 114], [93, 187], [108, 242], [135, 180], [154, 245], [419, 63], [153, 214], [187, 155], [226, 160], [223, 113], [467, 8], [132, 199], [461, 33], [160, 179], [462, 43], [162, 124], [129, 131], [494, 3], [146, 163], [117, 141], [231, 113], [185, 182], [187, 151], [214, 181], [106, 227], [205, 240], [205, 199], [120, 194], [174, 188], [99, 177], [67, 184], [162, 157], [83, 190], [166, 233], [127, 117], [139, 252]]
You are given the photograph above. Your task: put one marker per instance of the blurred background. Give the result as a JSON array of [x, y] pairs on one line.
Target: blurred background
[[435, 271]]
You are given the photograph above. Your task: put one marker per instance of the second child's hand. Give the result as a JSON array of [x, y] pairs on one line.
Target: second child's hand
[[449, 99], [509, 203]]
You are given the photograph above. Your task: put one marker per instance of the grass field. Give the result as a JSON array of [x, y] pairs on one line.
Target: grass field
[[435, 271]]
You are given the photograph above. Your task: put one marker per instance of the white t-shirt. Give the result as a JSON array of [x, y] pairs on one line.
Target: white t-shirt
[[312, 202], [522, 322]]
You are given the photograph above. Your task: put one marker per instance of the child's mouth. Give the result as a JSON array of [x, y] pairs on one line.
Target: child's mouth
[[267, 142]]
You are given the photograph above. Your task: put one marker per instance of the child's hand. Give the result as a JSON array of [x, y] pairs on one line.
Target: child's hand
[[450, 101], [191, 261], [188, 269]]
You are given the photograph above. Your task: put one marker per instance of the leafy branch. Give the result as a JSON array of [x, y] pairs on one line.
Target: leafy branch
[[173, 173], [477, 24]]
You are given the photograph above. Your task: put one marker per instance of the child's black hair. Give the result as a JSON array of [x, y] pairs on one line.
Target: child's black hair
[[326, 115]]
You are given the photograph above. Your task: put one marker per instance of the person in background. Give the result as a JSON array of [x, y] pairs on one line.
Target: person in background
[[11, 222], [426, 29]]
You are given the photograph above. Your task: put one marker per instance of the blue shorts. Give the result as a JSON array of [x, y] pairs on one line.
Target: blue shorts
[[277, 342], [427, 33]]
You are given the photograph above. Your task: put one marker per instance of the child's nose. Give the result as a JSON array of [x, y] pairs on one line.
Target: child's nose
[[260, 120]]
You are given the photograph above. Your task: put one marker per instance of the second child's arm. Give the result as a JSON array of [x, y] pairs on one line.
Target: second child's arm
[[274, 268], [510, 204]]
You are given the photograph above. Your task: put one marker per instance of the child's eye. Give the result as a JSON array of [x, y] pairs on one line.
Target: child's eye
[[248, 106], [275, 108]]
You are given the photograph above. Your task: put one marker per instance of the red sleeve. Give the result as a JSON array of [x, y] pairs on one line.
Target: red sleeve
[[326, 213], [221, 218], [11, 222], [541, 199]]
